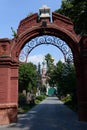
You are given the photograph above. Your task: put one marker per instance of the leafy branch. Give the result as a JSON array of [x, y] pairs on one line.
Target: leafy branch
[[14, 34]]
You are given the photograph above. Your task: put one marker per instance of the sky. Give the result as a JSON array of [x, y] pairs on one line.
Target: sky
[[13, 11]]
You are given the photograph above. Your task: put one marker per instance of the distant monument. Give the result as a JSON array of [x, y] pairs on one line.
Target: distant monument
[[44, 71]]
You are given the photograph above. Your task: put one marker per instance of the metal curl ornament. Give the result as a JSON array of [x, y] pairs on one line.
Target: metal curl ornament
[[46, 39]]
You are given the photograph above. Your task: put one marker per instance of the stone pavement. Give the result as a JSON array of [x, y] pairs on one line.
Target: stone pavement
[[50, 114]]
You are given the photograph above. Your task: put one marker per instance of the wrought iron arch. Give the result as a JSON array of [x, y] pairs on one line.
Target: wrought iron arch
[[46, 39]]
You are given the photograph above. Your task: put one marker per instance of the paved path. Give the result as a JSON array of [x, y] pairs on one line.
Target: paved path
[[51, 114]]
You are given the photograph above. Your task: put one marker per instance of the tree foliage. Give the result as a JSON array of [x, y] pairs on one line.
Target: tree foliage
[[77, 11], [50, 67], [66, 78], [49, 61], [27, 76], [63, 76]]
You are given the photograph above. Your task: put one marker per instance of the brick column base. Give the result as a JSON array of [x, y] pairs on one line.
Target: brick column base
[[8, 91], [8, 114]]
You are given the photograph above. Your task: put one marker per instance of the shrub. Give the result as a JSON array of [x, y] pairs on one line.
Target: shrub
[[21, 100], [41, 97], [72, 104]]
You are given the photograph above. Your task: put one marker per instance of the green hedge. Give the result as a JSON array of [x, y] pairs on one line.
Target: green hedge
[[41, 97]]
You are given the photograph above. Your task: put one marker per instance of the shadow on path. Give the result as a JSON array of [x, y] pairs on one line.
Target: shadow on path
[[50, 114]]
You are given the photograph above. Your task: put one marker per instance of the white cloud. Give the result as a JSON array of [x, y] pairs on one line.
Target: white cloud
[[35, 59]]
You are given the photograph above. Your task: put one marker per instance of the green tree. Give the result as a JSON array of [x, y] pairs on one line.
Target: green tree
[[58, 76], [64, 77], [50, 67], [77, 11], [27, 76], [49, 61], [69, 79]]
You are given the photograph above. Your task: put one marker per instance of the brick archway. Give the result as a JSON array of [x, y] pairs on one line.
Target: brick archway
[[29, 28], [63, 30]]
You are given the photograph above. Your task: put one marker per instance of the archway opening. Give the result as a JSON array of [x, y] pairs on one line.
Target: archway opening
[[67, 64]]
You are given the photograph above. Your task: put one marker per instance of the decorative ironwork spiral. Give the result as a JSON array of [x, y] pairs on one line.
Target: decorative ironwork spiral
[[46, 39], [41, 40]]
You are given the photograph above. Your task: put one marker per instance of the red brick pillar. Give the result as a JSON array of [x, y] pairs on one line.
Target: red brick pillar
[[8, 90], [82, 80]]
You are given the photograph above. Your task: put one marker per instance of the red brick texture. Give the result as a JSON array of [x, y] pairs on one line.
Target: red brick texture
[[8, 90]]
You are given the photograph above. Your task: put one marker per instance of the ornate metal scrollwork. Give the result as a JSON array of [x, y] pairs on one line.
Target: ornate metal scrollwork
[[46, 39]]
